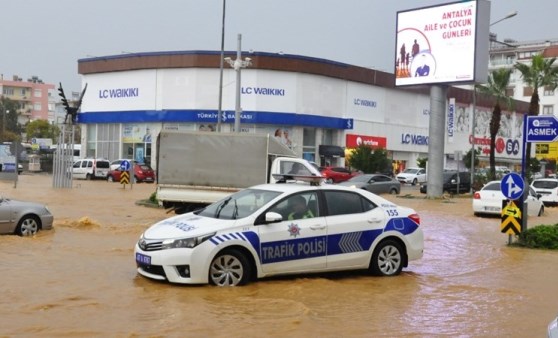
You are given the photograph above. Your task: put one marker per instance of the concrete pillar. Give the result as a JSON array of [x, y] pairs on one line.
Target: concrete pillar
[[436, 135]]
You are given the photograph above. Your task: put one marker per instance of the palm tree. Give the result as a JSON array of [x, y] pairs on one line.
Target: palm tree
[[541, 73], [498, 81]]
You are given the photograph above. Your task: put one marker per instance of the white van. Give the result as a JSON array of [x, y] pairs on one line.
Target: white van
[[76, 152], [90, 168]]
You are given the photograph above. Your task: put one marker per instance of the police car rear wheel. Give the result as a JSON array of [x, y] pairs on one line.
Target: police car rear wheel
[[387, 259], [229, 268]]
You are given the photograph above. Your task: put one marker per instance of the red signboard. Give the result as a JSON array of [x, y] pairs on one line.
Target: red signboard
[[353, 141]]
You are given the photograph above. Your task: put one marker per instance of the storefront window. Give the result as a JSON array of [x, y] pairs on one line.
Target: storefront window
[[140, 152], [91, 140], [309, 144]]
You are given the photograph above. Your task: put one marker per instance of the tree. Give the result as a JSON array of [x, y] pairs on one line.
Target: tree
[[11, 131], [498, 81], [421, 162], [540, 73], [370, 160], [42, 129], [467, 158]]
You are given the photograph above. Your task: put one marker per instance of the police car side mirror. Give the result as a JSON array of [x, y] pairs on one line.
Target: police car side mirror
[[273, 217]]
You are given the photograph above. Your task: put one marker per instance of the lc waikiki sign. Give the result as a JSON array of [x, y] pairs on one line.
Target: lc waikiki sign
[[354, 141]]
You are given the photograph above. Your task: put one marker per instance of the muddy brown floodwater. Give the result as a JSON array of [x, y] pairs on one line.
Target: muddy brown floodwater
[[79, 279]]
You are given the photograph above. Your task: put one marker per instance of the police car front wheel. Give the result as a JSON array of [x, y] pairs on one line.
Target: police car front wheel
[[387, 259], [229, 268]]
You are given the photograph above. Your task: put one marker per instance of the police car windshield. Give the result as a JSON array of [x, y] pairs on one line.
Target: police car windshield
[[239, 205]]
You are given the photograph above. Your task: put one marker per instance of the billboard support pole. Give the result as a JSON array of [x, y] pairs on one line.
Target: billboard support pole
[[436, 134]]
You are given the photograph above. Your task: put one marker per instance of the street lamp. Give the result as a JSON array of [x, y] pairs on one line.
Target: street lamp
[[237, 65], [221, 59], [510, 15], [6, 112]]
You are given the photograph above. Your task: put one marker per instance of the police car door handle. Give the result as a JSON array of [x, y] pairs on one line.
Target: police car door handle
[[317, 227], [375, 220]]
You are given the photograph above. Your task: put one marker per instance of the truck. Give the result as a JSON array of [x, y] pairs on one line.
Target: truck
[[197, 168]]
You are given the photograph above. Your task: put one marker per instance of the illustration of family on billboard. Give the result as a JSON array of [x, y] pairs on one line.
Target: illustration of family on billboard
[[412, 62]]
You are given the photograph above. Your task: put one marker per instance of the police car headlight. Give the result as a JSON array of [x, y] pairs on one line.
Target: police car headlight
[[190, 242]]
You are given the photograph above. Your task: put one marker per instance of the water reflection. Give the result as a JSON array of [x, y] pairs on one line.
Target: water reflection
[[80, 280]]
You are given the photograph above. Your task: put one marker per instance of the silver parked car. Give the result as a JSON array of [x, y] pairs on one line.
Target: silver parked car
[[23, 218], [553, 328], [375, 183]]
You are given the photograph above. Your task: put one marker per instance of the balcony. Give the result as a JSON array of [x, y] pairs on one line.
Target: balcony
[[505, 63]]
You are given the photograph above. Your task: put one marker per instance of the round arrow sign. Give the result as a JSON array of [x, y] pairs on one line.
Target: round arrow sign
[[512, 186], [125, 165]]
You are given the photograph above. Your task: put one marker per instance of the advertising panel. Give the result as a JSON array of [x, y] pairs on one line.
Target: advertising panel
[[264, 90], [374, 142], [120, 91], [443, 44], [451, 119], [365, 103], [546, 151]]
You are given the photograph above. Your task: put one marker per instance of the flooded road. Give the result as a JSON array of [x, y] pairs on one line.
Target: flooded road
[[80, 280]]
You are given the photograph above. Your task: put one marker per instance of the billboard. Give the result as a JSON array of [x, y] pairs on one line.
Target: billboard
[[443, 44]]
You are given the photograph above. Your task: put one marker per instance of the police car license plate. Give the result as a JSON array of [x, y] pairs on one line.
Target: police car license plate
[[143, 259]]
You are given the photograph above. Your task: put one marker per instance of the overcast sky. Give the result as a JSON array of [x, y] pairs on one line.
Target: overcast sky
[[46, 37]]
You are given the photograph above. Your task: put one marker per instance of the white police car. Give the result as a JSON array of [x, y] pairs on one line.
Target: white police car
[[259, 232]]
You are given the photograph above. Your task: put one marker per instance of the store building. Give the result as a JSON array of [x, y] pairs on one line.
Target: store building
[[316, 107]]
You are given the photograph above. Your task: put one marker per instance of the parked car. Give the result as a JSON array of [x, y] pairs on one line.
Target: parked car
[[537, 175], [23, 218], [548, 189], [376, 183], [337, 174], [142, 173], [280, 229], [452, 181], [412, 176], [489, 199], [552, 330], [90, 168]]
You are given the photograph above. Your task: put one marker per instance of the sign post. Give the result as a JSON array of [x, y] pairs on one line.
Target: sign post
[[125, 174], [513, 187], [542, 128], [538, 129]]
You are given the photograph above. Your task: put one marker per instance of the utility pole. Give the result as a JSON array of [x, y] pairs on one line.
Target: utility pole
[[238, 64]]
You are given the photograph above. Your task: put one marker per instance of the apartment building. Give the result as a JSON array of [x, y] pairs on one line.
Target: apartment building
[[32, 97], [505, 54]]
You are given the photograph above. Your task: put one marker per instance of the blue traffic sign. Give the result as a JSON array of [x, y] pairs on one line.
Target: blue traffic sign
[[512, 186], [542, 128], [125, 165]]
